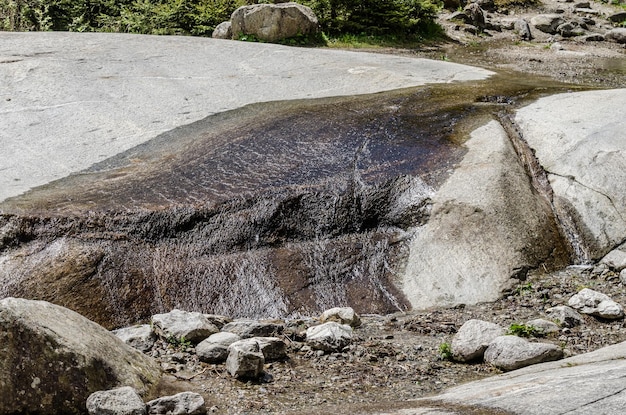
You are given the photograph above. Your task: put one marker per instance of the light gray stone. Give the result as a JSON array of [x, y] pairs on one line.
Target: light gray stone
[[570, 29], [544, 326], [622, 276], [211, 352], [577, 138], [591, 383], [616, 259], [473, 338], [588, 301], [120, 401], [512, 352], [223, 337], [474, 208], [223, 30], [245, 359], [140, 337], [547, 23], [343, 315], [273, 22], [565, 316], [329, 337], [183, 326], [184, 403], [164, 73], [253, 328], [218, 320], [59, 358], [522, 28]]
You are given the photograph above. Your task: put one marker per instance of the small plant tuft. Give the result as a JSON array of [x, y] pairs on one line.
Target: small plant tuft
[[523, 330], [445, 351]]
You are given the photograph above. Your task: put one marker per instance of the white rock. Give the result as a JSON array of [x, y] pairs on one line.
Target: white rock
[[184, 403], [512, 352], [272, 348], [183, 325], [616, 259], [329, 337], [473, 338], [343, 315], [622, 276], [588, 301], [565, 316], [253, 328], [120, 401], [245, 359], [140, 337]]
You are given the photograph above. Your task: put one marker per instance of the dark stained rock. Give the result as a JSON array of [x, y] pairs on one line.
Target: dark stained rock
[[52, 360]]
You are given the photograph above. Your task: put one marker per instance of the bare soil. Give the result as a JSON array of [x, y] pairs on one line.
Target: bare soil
[[393, 359]]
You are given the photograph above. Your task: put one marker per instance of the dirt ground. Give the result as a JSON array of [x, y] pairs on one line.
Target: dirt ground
[[392, 359]]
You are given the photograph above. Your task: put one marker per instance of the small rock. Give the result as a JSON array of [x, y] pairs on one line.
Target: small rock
[[342, 315], [593, 37], [245, 360], [253, 328], [616, 259], [622, 276], [211, 352], [473, 338], [582, 5], [218, 320], [184, 403], [223, 30], [547, 23], [329, 336], [617, 35], [140, 337], [183, 326], [570, 29], [522, 29], [618, 17], [214, 349], [476, 15], [591, 302], [120, 401], [272, 348], [565, 316], [544, 326], [512, 352]]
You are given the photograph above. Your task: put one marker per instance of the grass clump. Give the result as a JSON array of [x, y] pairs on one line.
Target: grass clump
[[445, 351], [523, 330]]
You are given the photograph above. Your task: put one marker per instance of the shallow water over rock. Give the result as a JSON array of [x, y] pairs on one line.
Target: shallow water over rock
[[271, 210]]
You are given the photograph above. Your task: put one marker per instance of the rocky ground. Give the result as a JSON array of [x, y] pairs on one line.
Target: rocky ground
[[393, 358], [570, 59]]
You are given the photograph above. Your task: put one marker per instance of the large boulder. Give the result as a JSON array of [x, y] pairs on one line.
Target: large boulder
[[486, 227], [245, 359], [473, 338], [52, 359], [273, 22], [179, 325], [578, 139], [512, 352]]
